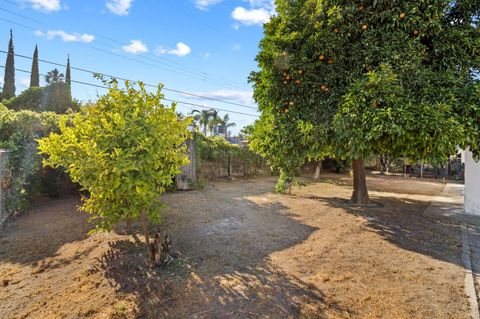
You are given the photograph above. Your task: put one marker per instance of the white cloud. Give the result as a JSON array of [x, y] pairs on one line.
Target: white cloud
[[65, 36], [181, 50], [135, 47], [244, 97], [45, 5], [258, 13], [204, 4], [119, 7], [251, 16], [236, 47]]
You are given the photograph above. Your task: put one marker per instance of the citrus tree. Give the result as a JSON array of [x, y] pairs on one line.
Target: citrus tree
[[124, 150], [369, 77]]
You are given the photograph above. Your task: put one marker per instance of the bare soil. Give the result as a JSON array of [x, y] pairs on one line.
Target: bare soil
[[244, 252]]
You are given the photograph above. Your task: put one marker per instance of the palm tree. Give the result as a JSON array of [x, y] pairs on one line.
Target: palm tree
[[54, 76], [226, 122], [203, 118], [214, 120]]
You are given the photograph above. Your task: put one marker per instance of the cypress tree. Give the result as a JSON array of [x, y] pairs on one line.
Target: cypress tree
[[9, 79], [35, 76], [68, 80]]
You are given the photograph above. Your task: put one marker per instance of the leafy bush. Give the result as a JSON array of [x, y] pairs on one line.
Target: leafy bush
[[52, 98], [124, 150], [213, 152], [29, 99], [18, 132]]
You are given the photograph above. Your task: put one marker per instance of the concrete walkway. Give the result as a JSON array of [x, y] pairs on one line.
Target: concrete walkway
[[450, 204]]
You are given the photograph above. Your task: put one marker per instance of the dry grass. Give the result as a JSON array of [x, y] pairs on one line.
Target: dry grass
[[244, 253]]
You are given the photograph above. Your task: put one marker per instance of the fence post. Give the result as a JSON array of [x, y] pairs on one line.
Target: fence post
[[188, 176], [229, 168]]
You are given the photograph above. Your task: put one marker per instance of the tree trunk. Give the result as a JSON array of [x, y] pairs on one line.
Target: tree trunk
[[383, 164], [360, 191], [317, 170], [151, 253]]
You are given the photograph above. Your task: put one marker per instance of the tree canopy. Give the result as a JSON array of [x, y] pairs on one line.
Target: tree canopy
[[353, 79]]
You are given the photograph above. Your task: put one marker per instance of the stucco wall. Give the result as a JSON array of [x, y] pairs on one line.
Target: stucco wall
[[472, 185]]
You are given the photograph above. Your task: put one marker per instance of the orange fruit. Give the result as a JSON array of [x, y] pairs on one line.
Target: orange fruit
[[364, 27], [321, 58], [285, 82], [361, 8], [330, 61], [300, 71], [335, 30], [297, 82], [286, 110], [402, 15], [416, 32]]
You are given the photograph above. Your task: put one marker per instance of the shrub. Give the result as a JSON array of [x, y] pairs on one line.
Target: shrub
[[18, 132], [124, 150], [52, 98]]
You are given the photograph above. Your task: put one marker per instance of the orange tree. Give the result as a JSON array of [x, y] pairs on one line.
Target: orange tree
[[368, 77]]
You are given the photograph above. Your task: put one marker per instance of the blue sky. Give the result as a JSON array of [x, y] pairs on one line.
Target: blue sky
[[205, 47]]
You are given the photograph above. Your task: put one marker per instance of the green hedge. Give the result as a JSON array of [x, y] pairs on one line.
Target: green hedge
[[19, 131], [213, 152], [51, 98]]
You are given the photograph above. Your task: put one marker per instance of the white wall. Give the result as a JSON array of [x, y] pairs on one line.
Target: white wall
[[472, 185]]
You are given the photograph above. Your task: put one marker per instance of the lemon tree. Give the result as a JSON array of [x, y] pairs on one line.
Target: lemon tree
[[124, 150]]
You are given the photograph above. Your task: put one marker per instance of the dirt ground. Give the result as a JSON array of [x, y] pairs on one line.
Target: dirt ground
[[244, 252]]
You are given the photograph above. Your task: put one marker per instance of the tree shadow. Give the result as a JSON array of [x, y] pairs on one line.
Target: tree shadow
[[222, 267], [185, 289], [402, 222], [34, 237]]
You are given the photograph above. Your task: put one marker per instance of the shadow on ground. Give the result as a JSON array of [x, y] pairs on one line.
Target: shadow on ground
[[399, 221], [30, 239], [227, 273]]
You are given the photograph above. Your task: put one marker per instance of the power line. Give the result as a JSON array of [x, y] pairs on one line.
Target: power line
[[200, 73], [165, 99], [124, 79], [165, 68]]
